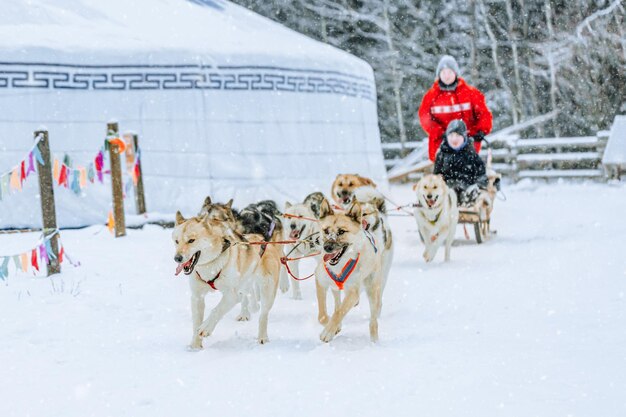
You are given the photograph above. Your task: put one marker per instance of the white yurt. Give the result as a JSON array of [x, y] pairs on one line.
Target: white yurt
[[225, 103]]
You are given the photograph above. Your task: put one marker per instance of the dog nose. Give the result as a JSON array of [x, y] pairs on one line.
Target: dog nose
[[429, 196], [328, 247], [178, 258], [344, 192], [293, 226]]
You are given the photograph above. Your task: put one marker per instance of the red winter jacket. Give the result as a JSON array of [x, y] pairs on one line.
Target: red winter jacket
[[440, 107]]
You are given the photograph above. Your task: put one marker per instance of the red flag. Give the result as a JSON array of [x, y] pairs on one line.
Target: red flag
[[63, 176], [33, 260], [61, 255], [23, 171]]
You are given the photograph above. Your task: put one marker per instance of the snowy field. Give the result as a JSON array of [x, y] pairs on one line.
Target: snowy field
[[532, 323]]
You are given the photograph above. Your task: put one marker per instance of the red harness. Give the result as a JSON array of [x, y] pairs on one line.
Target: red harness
[[346, 271], [211, 282]]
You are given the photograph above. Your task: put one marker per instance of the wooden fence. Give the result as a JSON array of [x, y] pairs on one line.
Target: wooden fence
[[546, 158]]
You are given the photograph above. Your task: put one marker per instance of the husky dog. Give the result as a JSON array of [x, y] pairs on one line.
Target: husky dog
[[301, 224], [436, 214], [350, 263], [213, 262], [344, 185], [376, 226]]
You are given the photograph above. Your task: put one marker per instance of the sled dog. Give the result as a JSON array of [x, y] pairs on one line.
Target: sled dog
[[349, 263], [214, 262], [300, 223], [344, 185], [376, 226], [436, 214]]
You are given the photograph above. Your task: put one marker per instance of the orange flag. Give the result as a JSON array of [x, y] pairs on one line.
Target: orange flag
[[24, 260], [56, 170], [111, 222], [83, 177], [15, 179]]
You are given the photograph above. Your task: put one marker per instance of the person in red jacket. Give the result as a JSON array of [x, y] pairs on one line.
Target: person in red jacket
[[452, 98]]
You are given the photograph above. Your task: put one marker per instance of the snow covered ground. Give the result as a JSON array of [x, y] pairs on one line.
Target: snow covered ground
[[531, 323]]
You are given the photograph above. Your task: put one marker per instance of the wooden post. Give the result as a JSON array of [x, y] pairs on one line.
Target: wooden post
[[132, 152], [48, 211], [116, 182]]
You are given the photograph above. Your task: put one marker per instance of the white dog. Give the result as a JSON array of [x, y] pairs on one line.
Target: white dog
[[436, 214]]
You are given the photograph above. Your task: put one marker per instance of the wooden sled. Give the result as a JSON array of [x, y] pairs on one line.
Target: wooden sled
[[479, 214]]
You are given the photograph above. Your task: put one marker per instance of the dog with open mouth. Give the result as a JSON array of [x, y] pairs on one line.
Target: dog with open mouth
[[436, 214], [206, 253], [376, 225], [342, 190], [301, 222], [349, 263]]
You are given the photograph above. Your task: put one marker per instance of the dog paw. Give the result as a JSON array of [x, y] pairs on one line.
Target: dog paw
[[194, 347], [204, 331], [328, 334], [283, 285], [243, 317], [263, 340], [297, 296], [427, 257]]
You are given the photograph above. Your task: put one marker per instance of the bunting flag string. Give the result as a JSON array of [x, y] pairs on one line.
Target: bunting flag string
[[13, 179], [34, 259]]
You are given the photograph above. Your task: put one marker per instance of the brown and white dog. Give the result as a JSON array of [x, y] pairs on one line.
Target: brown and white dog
[[206, 252], [436, 214], [342, 190], [350, 263]]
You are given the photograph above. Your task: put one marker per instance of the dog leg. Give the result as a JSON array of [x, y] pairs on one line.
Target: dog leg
[[198, 292], [268, 295], [334, 324], [375, 298], [244, 315], [284, 280], [228, 301], [322, 312], [297, 293]]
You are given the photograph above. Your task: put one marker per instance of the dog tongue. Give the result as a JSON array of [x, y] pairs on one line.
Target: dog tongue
[[179, 267]]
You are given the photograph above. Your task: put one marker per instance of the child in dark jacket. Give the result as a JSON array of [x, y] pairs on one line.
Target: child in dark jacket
[[459, 164]]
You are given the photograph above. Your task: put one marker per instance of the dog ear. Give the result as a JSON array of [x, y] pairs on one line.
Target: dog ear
[[366, 181], [230, 203], [325, 209], [287, 205], [354, 212], [380, 205], [207, 201], [415, 186], [179, 218]]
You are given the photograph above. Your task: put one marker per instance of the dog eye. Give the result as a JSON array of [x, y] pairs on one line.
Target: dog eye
[[350, 184], [191, 240], [176, 241], [341, 232], [340, 184], [326, 231]]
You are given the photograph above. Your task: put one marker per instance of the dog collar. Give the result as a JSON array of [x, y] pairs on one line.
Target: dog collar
[[212, 281], [432, 222], [346, 271]]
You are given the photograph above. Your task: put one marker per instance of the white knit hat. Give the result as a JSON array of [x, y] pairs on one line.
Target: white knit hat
[[448, 61]]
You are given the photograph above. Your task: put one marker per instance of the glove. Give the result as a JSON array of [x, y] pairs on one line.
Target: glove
[[479, 136]]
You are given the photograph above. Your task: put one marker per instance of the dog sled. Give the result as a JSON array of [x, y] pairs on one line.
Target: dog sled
[[479, 213]]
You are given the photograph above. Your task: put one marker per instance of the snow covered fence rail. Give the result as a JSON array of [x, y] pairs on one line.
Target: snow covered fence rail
[[547, 158]]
